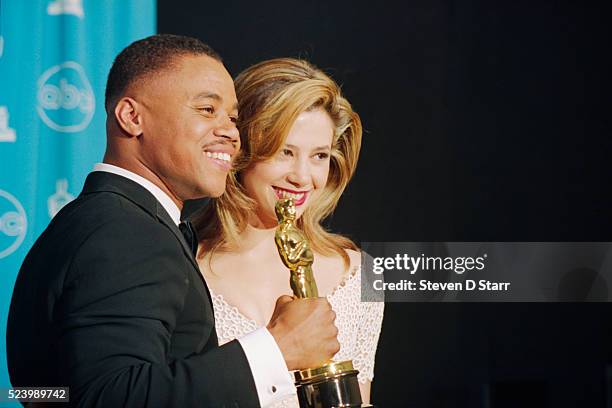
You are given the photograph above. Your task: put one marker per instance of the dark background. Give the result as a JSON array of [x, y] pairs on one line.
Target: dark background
[[484, 121]]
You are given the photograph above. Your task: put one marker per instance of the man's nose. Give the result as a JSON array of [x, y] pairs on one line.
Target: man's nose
[[227, 129]]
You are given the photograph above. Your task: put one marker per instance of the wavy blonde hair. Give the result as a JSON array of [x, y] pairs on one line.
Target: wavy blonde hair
[[271, 95]]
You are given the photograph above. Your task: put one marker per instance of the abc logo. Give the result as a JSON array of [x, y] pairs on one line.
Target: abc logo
[[13, 224], [66, 101]]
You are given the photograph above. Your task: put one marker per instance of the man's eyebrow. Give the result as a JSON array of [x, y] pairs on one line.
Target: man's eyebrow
[[212, 95], [208, 95]]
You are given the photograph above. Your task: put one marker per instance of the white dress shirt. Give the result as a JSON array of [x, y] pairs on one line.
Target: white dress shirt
[[272, 380]]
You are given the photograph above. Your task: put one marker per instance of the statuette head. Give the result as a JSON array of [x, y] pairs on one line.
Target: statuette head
[[285, 210]]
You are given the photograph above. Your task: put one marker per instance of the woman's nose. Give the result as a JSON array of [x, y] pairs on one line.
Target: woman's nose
[[300, 173]]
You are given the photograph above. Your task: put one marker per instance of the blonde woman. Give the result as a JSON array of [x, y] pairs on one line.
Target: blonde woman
[[300, 139]]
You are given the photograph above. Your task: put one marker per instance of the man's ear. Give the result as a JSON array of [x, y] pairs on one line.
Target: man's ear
[[128, 116]]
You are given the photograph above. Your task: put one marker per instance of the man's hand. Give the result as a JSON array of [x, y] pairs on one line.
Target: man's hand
[[304, 331]]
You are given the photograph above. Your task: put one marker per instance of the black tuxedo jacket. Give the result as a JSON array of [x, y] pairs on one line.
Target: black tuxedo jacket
[[110, 302]]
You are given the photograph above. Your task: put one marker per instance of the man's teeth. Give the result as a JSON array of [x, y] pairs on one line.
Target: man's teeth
[[286, 194], [220, 156]]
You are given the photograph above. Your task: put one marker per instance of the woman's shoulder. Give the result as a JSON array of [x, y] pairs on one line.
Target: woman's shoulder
[[337, 262], [354, 258]]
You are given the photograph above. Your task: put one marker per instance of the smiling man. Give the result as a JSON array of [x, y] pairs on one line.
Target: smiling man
[[109, 301]]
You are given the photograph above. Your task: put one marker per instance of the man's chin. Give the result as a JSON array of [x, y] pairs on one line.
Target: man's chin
[[214, 191], [206, 191]]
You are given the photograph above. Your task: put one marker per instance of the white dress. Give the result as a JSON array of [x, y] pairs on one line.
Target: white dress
[[358, 323]]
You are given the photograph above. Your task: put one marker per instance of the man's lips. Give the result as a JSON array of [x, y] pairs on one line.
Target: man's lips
[[299, 197], [220, 155]]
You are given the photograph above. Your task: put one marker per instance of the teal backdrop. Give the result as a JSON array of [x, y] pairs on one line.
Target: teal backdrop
[[54, 60]]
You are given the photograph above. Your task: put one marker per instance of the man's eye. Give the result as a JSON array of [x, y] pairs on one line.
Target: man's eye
[[208, 109]]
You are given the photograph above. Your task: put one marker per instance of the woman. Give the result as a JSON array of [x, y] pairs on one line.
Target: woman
[[300, 139]]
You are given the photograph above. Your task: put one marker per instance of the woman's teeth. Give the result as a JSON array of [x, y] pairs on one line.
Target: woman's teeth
[[220, 156], [286, 194]]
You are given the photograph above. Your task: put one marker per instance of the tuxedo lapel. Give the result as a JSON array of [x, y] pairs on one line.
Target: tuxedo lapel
[[99, 181], [163, 216], [165, 219]]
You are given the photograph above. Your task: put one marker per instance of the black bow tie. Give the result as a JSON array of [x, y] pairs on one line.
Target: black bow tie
[[188, 232]]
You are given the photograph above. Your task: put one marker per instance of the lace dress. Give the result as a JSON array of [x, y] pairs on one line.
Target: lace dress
[[358, 323]]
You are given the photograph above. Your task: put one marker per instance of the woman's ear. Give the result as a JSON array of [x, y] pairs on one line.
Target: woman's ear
[[128, 116]]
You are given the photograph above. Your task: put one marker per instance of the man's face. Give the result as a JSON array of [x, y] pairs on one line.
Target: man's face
[[189, 135]]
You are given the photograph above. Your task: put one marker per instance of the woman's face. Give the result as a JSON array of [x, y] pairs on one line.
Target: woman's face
[[299, 170]]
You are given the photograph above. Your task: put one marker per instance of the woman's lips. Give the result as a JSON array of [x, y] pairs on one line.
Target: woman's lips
[[299, 197]]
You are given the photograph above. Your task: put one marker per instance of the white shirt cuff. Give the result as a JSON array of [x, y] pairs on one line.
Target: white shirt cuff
[[272, 378]]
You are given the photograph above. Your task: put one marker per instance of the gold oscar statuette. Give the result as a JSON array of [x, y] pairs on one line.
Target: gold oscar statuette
[[335, 383]]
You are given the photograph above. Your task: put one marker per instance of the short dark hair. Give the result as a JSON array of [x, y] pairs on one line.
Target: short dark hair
[[149, 55]]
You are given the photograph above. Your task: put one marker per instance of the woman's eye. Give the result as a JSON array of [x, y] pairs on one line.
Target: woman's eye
[[322, 156], [208, 109], [234, 119], [287, 152]]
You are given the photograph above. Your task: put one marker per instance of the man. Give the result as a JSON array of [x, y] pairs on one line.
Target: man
[[110, 301]]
